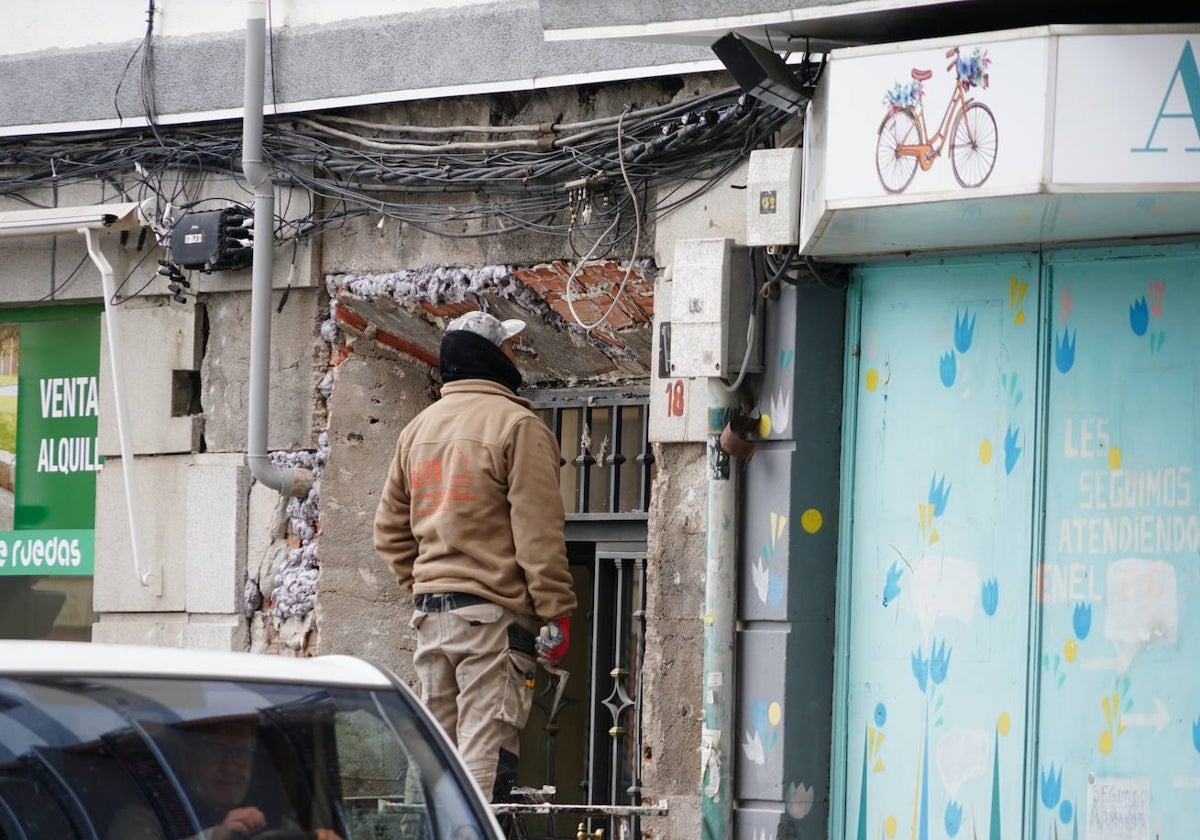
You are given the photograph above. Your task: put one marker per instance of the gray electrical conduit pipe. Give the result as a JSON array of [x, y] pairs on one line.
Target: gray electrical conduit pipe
[[296, 481]]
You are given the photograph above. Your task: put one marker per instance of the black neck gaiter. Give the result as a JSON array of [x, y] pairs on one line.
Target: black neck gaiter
[[465, 355]]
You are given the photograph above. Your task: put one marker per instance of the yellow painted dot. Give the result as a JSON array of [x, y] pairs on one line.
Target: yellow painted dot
[[889, 826], [1070, 649], [872, 379], [764, 425], [1106, 742], [1114, 458], [811, 520], [1004, 724], [985, 451], [774, 714]]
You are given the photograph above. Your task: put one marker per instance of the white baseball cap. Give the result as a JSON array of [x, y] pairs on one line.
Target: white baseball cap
[[488, 326]]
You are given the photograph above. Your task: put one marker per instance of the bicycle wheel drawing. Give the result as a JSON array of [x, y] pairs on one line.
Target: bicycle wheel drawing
[[973, 142], [896, 170]]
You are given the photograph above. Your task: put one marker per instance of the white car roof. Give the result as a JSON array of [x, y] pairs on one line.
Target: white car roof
[[102, 659]]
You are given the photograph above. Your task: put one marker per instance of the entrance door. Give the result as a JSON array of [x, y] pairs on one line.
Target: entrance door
[[1118, 717], [939, 568], [580, 750]]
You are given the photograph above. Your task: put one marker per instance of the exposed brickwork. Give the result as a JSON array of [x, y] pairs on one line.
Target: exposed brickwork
[[546, 280], [360, 325], [448, 310], [585, 309], [592, 292]]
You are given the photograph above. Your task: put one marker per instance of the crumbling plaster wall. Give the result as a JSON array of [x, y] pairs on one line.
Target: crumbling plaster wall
[[673, 706], [361, 608]]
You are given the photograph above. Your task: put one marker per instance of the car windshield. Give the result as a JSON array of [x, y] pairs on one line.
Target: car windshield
[[109, 758]]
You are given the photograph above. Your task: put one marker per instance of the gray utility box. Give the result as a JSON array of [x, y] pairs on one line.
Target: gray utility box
[[713, 303], [773, 197]]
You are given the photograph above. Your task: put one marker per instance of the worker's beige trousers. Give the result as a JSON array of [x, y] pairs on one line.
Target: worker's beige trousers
[[477, 679]]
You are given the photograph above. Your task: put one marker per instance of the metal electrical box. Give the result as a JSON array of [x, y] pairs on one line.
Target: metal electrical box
[[213, 240], [678, 404], [712, 304], [773, 197]]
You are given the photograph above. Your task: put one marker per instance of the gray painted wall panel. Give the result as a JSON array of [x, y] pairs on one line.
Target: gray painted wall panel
[[766, 525], [788, 558], [387, 58], [761, 726]]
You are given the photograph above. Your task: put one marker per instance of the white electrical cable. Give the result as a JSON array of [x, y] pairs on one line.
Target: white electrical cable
[[637, 235]]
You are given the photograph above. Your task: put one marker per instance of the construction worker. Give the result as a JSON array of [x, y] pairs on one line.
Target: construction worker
[[470, 518]]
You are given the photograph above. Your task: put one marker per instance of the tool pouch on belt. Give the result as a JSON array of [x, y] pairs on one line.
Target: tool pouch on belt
[[518, 689]]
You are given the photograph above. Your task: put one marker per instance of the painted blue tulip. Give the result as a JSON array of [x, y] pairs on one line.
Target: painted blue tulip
[[920, 669], [991, 596], [939, 494], [758, 715], [948, 368], [1082, 620], [1064, 351], [1011, 451], [1139, 316], [891, 588], [939, 662], [964, 331], [880, 715], [954, 813], [1051, 787]]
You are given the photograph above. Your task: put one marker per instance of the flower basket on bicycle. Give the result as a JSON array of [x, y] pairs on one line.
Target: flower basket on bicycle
[[972, 69], [904, 96]]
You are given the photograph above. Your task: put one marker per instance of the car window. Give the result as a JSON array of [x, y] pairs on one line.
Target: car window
[[142, 759]]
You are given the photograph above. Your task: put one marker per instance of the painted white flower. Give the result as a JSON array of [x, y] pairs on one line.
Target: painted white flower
[[761, 577], [799, 800], [753, 748], [781, 411]]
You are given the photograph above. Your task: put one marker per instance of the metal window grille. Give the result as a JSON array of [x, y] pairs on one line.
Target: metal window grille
[[604, 442]]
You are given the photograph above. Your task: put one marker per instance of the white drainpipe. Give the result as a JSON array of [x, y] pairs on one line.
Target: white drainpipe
[[148, 575], [296, 481]]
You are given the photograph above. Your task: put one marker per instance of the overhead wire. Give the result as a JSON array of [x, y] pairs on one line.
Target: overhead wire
[[637, 228], [681, 148]]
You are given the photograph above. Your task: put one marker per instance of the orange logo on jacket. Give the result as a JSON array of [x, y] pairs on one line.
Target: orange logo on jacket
[[436, 487]]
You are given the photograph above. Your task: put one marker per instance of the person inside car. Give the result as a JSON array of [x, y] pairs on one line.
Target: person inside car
[[218, 773]]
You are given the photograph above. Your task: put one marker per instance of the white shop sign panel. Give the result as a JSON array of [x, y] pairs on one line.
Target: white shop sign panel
[[1049, 134], [1123, 114]]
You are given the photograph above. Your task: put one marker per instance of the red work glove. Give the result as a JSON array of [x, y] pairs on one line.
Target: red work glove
[[553, 640]]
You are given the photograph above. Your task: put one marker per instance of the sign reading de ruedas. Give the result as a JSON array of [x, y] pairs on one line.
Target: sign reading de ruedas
[[67, 552], [51, 475]]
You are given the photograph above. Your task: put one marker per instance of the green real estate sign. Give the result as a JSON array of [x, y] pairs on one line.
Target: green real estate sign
[[49, 403]]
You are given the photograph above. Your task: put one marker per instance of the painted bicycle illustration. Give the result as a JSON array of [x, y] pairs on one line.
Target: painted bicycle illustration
[[904, 142]]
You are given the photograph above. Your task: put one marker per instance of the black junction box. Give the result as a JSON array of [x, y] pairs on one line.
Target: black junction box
[[213, 240]]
